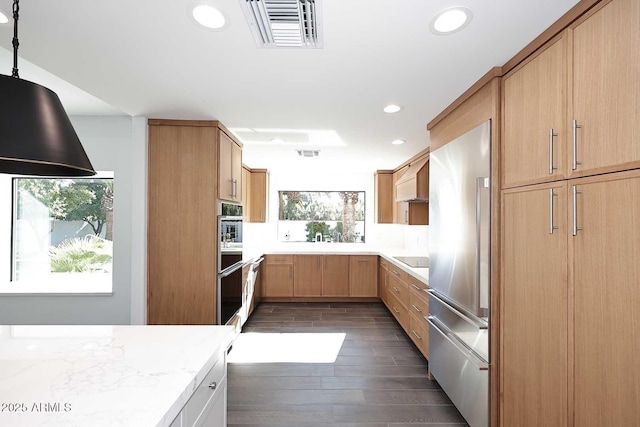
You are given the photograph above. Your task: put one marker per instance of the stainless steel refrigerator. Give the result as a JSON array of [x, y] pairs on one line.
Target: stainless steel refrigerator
[[459, 261]]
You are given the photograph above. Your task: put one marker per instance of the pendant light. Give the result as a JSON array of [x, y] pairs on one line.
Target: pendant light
[[36, 135]]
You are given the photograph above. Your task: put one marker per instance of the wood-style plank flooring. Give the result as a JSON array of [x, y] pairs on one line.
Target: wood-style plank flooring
[[378, 379]]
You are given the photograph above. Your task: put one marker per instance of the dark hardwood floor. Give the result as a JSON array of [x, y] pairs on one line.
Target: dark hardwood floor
[[378, 379]]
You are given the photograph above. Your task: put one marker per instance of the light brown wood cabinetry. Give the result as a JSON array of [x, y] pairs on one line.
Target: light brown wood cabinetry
[[534, 318], [246, 193], [399, 311], [307, 275], [399, 289], [258, 195], [363, 275], [606, 296], [335, 276], [181, 244], [383, 281], [383, 197], [605, 88], [534, 133], [418, 331], [229, 169], [277, 277]]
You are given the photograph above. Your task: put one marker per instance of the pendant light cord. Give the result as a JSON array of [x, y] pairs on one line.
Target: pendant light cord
[[16, 9]]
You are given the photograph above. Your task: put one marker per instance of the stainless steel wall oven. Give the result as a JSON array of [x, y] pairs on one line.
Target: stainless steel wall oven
[[229, 261]]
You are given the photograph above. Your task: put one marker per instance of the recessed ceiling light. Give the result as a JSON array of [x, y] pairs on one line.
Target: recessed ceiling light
[[392, 108], [398, 141], [208, 16], [449, 21], [4, 18]]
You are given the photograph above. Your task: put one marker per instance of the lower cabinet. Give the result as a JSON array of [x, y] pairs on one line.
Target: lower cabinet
[[207, 407], [277, 276], [335, 276], [363, 276], [307, 275], [383, 280]]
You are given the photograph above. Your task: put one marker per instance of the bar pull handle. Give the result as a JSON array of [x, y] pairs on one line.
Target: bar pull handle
[[231, 192], [406, 216], [395, 309], [574, 194], [551, 196], [235, 188], [481, 183], [396, 289], [575, 126], [551, 135], [415, 308], [416, 287], [416, 334]]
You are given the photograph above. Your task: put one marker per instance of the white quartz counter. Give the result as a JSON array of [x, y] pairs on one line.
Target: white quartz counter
[[342, 249], [96, 376]]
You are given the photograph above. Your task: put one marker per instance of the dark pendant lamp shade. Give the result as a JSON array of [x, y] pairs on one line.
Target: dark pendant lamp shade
[[36, 135]]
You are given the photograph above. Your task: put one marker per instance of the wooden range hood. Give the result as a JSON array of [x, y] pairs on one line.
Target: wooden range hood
[[413, 185]]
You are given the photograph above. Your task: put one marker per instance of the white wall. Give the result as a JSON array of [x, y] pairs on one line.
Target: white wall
[[115, 144]]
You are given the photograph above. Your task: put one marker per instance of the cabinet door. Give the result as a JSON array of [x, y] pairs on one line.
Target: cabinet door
[[533, 322], [246, 194], [307, 275], [606, 287], [403, 213], [534, 138], [277, 280], [258, 196], [236, 171], [363, 276], [335, 276], [384, 197], [225, 177], [606, 89], [215, 412]]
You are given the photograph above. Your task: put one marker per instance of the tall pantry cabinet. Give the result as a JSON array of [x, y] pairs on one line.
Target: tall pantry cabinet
[[570, 227], [186, 164]]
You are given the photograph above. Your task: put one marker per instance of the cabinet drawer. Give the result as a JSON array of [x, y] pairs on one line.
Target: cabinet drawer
[[398, 273], [278, 259], [204, 393], [416, 284], [419, 333], [399, 290], [418, 303], [399, 312], [384, 263]]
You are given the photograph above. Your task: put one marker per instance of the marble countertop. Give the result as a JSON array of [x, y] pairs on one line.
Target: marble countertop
[[342, 249], [103, 375]]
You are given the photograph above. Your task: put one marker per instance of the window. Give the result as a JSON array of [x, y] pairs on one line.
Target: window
[[63, 232], [327, 216]]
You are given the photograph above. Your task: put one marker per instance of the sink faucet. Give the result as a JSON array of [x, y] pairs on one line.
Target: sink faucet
[[338, 237]]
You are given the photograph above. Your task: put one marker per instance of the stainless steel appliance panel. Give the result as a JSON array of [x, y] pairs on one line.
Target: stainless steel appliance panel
[[459, 207], [464, 377]]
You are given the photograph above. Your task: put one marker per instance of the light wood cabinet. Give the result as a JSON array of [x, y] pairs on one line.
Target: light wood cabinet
[[383, 195], [335, 276], [605, 88], [229, 168], [383, 281], [307, 275], [363, 275], [534, 317], [246, 193], [182, 189], [277, 277], [534, 133], [606, 299], [258, 195]]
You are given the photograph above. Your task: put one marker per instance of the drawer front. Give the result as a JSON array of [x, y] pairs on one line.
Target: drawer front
[[204, 393], [399, 311], [416, 284], [278, 259], [399, 290], [398, 273], [418, 304], [383, 263], [419, 333]]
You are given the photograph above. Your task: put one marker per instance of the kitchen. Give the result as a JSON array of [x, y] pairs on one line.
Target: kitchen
[[118, 144]]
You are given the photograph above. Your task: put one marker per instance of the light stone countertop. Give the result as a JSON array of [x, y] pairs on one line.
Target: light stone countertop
[[341, 249], [116, 376]]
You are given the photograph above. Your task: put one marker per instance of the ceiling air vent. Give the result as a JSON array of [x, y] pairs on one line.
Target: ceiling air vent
[[284, 23], [308, 153]]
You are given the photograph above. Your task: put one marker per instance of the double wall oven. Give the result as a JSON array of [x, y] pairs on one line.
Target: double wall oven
[[230, 284]]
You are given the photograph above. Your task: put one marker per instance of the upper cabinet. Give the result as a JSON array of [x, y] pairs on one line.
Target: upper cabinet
[[229, 168], [605, 90], [246, 194], [384, 197], [258, 195], [534, 125], [571, 110]]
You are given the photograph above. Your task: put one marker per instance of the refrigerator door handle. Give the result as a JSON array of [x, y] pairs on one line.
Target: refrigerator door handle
[[469, 355], [481, 183], [479, 325]]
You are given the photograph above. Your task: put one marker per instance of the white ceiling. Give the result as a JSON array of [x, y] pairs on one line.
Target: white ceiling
[[148, 58]]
